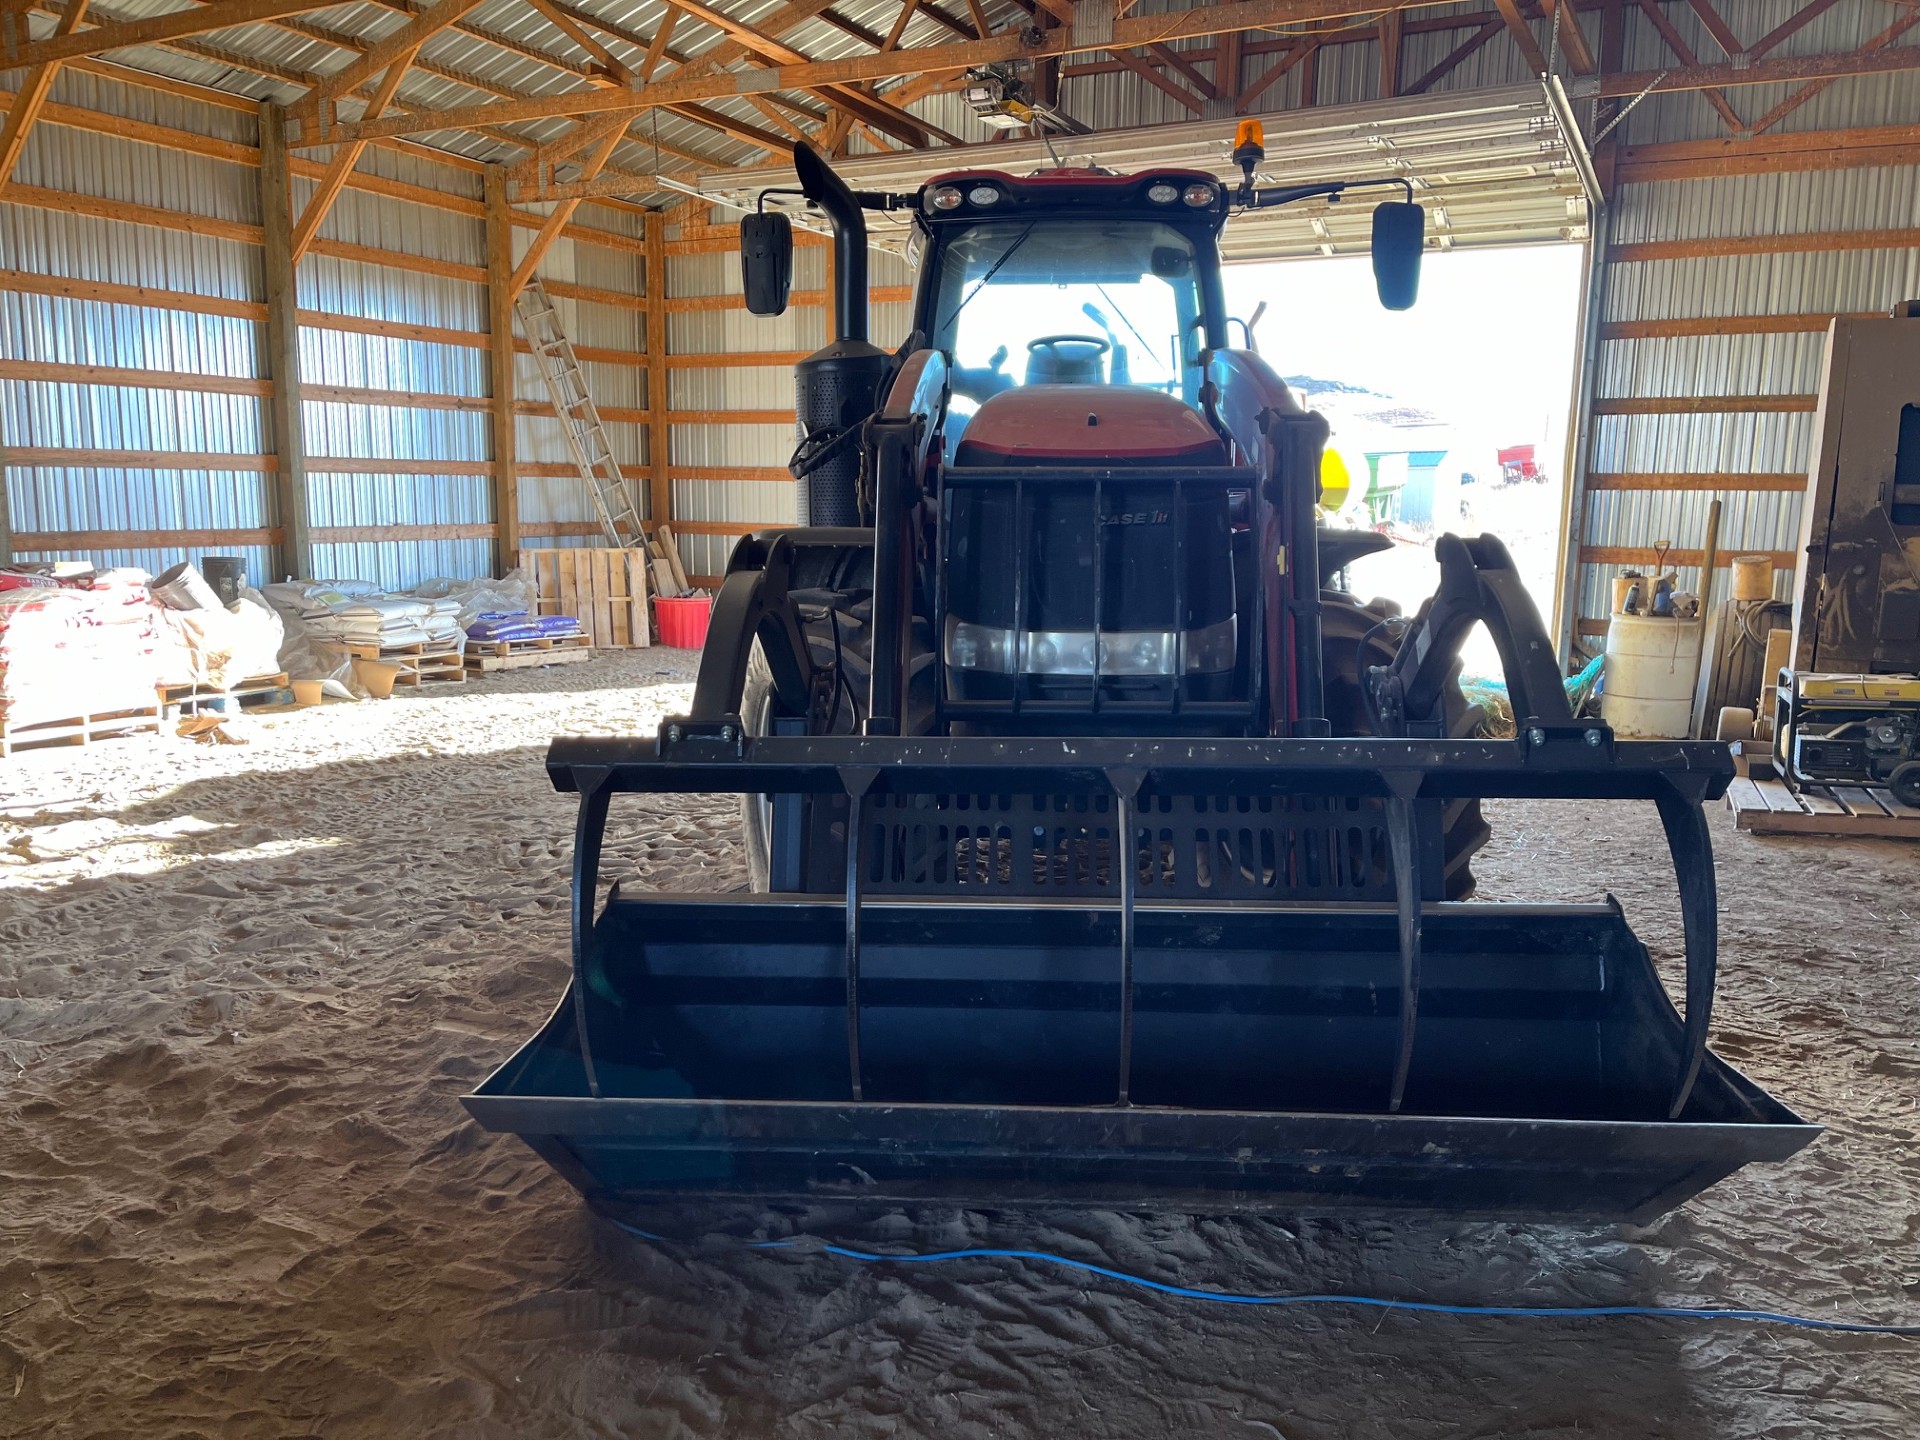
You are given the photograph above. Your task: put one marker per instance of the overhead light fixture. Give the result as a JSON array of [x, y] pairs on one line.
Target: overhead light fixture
[[1001, 95]]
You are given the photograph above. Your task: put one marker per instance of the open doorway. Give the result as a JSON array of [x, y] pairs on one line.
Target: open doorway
[[1449, 417]]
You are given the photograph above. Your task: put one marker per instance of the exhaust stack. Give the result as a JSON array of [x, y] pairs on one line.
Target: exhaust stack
[[837, 387]]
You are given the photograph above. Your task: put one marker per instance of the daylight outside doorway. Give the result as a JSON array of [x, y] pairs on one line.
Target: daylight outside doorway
[[1449, 417]]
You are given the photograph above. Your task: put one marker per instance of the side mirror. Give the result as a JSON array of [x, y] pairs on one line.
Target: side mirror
[[1399, 235], [766, 261]]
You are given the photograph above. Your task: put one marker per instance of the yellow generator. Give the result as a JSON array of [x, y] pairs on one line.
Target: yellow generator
[[1850, 730]]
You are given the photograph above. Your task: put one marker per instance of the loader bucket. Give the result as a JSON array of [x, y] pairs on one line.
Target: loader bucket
[[994, 1036]]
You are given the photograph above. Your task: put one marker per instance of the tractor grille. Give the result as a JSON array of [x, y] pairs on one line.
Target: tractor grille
[[1184, 847]]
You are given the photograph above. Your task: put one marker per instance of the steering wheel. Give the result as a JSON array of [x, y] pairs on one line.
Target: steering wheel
[[1100, 345]]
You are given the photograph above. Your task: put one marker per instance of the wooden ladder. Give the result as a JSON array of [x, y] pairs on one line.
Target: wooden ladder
[[580, 419]]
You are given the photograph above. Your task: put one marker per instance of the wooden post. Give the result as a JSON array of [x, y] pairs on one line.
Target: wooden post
[[294, 556], [500, 371], [1389, 31], [659, 432], [6, 521]]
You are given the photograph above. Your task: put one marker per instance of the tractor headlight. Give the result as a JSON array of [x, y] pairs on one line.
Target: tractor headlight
[[943, 197], [1163, 193], [979, 647], [988, 649], [1211, 649], [1057, 652], [983, 195], [1199, 195]]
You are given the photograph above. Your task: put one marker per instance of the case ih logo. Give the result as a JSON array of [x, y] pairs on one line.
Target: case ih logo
[[1136, 517]]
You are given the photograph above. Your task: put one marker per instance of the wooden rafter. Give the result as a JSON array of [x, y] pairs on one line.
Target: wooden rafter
[[1455, 57], [774, 113], [1718, 28], [684, 86], [657, 47], [1523, 35], [551, 227], [563, 20], [1153, 77], [344, 159], [1891, 59], [900, 24], [1227, 51], [592, 131], [1273, 74], [1195, 77], [1677, 43], [1573, 40], [1790, 26], [174, 25], [404, 41], [1812, 88], [1129, 33], [1389, 42], [32, 95]]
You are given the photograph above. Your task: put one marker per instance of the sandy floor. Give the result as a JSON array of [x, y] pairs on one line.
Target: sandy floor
[[241, 990]]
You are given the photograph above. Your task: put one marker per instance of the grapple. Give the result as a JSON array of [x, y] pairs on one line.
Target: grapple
[[1188, 973]]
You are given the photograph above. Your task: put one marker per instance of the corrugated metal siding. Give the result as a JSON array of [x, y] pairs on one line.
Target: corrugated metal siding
[[66, 415], [57, 330], [1702, 288]]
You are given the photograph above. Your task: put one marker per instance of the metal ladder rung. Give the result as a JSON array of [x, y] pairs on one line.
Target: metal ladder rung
[[579, 419]]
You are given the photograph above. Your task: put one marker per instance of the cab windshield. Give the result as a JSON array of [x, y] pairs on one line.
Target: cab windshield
[[1068, 301]]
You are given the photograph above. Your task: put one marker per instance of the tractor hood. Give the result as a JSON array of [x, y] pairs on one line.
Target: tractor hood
[[1088, 425]]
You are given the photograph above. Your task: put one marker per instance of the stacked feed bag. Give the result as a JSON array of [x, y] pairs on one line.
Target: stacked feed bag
[[495, 626], [91, 648], [352, 612]]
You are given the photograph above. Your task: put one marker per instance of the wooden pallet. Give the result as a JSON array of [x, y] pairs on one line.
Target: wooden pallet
[[254, 690], [417, 664], [1768, 807], [605, 590], [79, 729], [488, 657]]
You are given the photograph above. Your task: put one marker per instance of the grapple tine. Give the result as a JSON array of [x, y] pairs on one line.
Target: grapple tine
[[1406, 898], [858, 780], [589, 834], [1692, 847], [1126, 789]]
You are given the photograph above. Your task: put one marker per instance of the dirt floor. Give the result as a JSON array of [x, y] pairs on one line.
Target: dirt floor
[[242, 988]]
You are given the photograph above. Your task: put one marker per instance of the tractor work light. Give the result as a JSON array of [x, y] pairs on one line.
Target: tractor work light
[[1206, 650], [1198, 195], [944, 197], [983, 195], [1163, 193]]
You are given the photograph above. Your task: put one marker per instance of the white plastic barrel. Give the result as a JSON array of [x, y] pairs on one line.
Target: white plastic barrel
[[1652, 662]]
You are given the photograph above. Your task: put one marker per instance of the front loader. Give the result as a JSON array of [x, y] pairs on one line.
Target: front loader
[[1103, 848]]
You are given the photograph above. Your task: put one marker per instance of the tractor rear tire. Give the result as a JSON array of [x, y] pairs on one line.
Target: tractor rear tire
[[1353, 639], [838, 626]]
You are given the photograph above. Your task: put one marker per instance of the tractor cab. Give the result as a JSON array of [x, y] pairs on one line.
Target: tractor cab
[[1068, 277]]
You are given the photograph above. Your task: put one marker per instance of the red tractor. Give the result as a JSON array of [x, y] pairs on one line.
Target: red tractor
[[1102, 846]]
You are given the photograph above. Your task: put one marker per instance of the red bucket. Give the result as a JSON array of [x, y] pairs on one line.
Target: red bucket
[[683, 622]]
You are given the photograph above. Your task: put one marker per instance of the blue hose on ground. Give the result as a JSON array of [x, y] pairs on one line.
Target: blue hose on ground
[[1373, 1302]]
